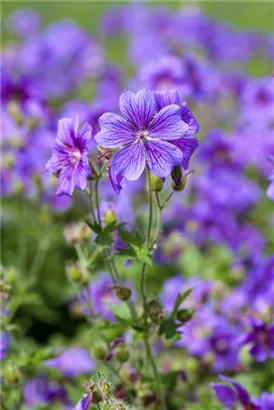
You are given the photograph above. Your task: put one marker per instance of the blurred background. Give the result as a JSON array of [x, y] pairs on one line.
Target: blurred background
[[242, 14]]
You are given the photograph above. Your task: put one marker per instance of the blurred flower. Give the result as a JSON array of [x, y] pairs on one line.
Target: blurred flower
[[72, 362], [261, 337]]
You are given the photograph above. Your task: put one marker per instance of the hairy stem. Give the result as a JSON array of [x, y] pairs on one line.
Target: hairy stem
[[149, 354]]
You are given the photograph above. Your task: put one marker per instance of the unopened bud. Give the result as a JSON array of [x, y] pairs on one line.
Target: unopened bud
[[105, 389], [109, 217], [184, 315], [123, 293], [77, 274], [179, 180], [96, 394], [122, 354], [100, 351], [85, 232], [4, 290], [13, 375], [146, 396], [11, 275], [155, 311], [157, 183]]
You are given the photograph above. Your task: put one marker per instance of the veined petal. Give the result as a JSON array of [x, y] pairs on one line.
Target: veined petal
[[115, 131], [81, 174], [129, 162], [66, 183], [161, 157], [138, 109], [67, 130], [187, 146], [188, 117], [164, 98], [167, 124], [85, 132]]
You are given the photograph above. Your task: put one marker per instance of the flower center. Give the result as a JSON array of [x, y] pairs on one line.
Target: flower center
[[142, 135], [75, 156]]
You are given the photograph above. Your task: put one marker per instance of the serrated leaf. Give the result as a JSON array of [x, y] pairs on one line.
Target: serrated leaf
[[94, 226], [180, 298], [168, 329]]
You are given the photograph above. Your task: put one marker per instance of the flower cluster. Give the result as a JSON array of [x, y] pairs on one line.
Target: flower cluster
[[138, 267]]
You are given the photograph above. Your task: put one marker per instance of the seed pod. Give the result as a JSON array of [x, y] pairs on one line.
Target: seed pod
[[184, 315], [123, 293], [157, 183], [96, 394], [77, 274], [100, 351], [155, 311], [122, 354]]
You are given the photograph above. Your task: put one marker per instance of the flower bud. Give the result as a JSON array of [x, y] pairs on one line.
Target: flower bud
[[155, 311], [179, 180], [105, 389], [109, 217], [122, 354], [11, 275], [146, 396], [122, 293], [157, 183], [184, 315], [4, 290], [77, 274], [84, 232], [96, 394], [100, 351], [12, 375]]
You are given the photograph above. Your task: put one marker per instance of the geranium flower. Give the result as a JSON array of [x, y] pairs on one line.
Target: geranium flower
[[143, 136], [70, 156]]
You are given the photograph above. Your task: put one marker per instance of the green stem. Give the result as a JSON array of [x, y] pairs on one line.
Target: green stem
[[149, 354], [159, 220]]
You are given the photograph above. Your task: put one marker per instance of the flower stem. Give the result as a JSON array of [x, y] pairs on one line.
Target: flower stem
[[149, 354]]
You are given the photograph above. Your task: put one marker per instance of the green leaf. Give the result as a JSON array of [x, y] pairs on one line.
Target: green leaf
[[168, 329], [94, 226], [105, 238], [180, 298]]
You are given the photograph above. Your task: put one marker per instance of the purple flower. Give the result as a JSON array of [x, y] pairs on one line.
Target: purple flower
[[143, 135], [70, 156], [233, 394], [72, 362], [186, 144], [266, 401], [84, 403], [4, 344], [261, 337], [39, 391]]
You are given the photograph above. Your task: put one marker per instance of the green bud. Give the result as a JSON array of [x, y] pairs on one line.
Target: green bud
[[123, 293], [179, 180], [85, 232], [105, 388], [155, 311], [13, 375], [96, 394], [109, 217], [184, 315], [77, 274], [122, 354], [11, 275], [100, 351], [4, 290], [157, 183]]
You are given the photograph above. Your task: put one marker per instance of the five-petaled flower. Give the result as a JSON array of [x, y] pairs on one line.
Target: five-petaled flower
[[69, 158], [145, 136]]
